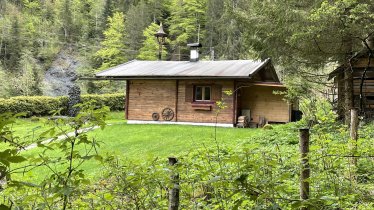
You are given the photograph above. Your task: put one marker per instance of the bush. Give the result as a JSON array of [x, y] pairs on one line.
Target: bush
[[44, 105], [116, 101]]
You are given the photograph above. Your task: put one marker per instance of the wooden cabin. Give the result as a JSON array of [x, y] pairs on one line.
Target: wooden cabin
[[357, 66], [186, 92]]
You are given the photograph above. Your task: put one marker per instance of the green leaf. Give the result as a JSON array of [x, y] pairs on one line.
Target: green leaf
[[108, 196], [16, 159], [4, 207]]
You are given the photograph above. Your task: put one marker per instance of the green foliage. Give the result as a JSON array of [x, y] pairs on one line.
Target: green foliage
[[317, 111], [138, 17], [68, 136], [115, 102], [44, 105], [186, 18], [248, 176], [32, 105], [222, 31], [260, 173], [112, 51], [11, 154], [150, 48], [28, 81]]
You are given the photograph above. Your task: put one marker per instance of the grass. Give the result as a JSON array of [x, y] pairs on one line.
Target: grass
[[139, 142]]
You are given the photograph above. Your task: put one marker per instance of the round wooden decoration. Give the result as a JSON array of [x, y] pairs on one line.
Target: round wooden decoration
[[167, 114], [155, 116]]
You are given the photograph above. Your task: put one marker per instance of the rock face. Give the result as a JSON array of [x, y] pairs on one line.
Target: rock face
[[60, 77]]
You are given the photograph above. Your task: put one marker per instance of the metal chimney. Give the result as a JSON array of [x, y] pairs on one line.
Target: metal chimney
[[194, 51]]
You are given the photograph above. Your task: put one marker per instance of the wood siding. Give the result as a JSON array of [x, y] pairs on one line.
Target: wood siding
[[189, 111], [367, 88], [148, 96], [262, 102]]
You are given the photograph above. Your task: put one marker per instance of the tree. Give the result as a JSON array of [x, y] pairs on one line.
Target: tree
[[67, 19], [137, 19], [4, 83], [28, 81], [306, 36], [222, 33], [150, 48], [15, 46], [187, 22], [113, 47]]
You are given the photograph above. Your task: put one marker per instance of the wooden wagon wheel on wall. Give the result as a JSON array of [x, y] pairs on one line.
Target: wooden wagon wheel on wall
[[167, 114], [155, 116]]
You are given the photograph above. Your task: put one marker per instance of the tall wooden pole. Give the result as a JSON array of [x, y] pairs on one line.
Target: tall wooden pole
[[174, 191], [354, 133], [305, 168], [348, 95]]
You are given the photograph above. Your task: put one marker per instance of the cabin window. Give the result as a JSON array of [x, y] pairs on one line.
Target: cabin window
[[202, 93]]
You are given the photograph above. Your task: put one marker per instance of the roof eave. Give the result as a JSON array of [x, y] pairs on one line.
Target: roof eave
[[261, 66], [162, 77]]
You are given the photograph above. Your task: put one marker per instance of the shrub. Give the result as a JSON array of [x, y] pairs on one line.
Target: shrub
[[115, 102], [44, 105], [33, 105]]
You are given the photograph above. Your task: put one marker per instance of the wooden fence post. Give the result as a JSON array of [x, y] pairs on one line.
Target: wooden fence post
[[174, 191], [305, 169]]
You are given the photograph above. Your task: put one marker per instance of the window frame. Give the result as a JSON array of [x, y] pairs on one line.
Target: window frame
[[202, 93]]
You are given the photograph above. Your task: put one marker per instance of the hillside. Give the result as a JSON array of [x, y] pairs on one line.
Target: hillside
[[43, 42]]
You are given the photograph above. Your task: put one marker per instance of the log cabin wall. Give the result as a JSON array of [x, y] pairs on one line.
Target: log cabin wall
[[205, 112], [358, 68], [148, 96], [261, 101]]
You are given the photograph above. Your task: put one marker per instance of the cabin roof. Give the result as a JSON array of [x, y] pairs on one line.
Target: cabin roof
[[184, 69]]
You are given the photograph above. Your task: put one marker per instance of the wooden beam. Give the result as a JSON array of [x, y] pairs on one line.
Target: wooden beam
[[235, 105], [176, 99], [269, 84], [127, 99], [362, 62]]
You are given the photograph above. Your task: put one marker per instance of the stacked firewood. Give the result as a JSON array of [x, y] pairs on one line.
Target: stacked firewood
[[243, 122]]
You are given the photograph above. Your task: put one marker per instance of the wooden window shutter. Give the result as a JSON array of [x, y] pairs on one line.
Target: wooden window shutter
[[189, 93], [216, 92]]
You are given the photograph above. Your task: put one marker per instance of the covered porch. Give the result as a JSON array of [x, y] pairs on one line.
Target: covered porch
[[258, 104]]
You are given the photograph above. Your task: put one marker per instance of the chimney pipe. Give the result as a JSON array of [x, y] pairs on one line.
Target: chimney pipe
[[194, 51]]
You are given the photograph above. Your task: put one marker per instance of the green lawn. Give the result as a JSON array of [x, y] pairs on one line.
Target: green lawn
[[139, 142]]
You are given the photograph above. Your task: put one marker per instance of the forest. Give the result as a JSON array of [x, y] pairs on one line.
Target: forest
[[305, 39], [95, 160]]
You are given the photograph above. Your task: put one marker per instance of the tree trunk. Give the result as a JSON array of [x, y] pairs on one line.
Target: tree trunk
[[348, 96], [305, 168], [348, 79], [340, 102]]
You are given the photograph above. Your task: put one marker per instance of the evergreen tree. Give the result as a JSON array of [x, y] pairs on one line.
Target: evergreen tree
[[66, 17], [14, 46], [27, 82], [113, 47], [4, 83], [187, 22], [150, 48], [107, 12], [137, 19], [222, 34]]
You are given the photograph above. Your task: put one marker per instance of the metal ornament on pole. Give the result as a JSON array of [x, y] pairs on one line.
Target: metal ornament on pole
[[160, 35]]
